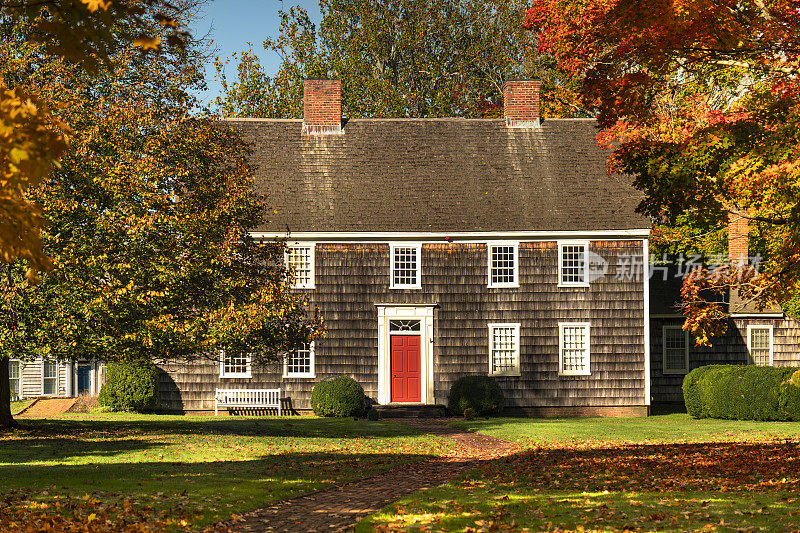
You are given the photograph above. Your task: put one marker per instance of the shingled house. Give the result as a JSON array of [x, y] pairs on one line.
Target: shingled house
[[437, 248]]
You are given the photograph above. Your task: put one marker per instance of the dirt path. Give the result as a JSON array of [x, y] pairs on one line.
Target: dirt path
[[341, 507], [47, 407]]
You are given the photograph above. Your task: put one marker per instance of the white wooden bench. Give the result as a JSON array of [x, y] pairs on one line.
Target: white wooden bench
[[247, 398]]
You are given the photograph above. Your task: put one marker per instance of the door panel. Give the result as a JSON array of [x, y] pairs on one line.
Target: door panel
[[83, 379], [406, 368]]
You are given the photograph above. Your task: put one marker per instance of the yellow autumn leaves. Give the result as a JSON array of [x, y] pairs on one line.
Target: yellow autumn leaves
[[31, 141]]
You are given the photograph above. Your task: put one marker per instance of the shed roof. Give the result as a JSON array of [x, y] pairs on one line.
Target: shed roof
[[438, 175]]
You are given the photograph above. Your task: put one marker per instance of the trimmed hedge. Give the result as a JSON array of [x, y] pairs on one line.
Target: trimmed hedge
[[481, 393], [337, 396], [743, 392], [130, 387]]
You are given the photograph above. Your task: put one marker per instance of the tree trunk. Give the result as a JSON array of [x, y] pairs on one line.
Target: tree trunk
[[6, 420]]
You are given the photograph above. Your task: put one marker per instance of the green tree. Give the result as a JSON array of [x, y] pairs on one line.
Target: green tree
[[700, 103], [147, 225], [398, 58]]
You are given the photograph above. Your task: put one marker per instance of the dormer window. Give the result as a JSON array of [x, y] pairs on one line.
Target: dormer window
[[503, 264], [300, 262], [406, 266], [573, 264]]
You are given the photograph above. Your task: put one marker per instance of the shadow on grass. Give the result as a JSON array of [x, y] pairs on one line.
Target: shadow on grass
[[204, 492], [132, 425], [44, 449]]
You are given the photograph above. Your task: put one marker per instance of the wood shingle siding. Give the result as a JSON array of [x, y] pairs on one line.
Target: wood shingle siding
[[352, 278]]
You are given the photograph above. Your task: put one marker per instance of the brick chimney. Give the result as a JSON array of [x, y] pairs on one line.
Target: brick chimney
[[738, 238], [322, 106], [521, 103]]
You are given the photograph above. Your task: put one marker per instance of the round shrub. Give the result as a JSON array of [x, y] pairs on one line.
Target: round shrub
[[337, 396], [480, 393], [130, 387]]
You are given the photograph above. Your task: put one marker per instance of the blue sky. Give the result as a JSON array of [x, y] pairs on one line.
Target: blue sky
[[234, 23]]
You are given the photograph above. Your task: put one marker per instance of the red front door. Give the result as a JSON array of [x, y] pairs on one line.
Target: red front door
[[406, 368]]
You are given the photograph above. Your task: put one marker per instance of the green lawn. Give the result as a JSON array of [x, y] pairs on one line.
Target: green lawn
[[656, 429], [663, 473], [16, 407], [176, 472]]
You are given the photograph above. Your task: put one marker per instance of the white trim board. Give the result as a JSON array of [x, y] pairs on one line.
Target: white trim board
[[648, 372], [437, 236]]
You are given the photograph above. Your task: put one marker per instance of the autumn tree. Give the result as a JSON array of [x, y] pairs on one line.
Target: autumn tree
[[398, 58], [33, 138], [147, 217], [699, 101]]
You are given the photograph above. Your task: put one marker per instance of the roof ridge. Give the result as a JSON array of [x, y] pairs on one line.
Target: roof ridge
[[399, 119]]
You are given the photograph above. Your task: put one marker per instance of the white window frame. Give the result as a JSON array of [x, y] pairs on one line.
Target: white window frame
[[18, 379], [311, 373], [417, 247], [231, 375], [664, 369], [515, 370], [588, 327], [515, 246], [585, 282], [771, 342], [45, 362], [312, 247]]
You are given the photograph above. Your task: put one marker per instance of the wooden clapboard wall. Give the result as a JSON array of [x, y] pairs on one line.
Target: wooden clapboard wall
[[352, 278], [727, 349]]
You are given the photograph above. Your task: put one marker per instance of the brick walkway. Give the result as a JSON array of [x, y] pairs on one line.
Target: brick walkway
[[47, 407], [339, 508]]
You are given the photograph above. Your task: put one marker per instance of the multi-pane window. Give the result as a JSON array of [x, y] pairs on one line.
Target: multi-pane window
[[300, 260], [406, 263], [759, 343], [572, 264], [235, 366], [15, 377], [503, 265], [676, 350], [573, 356], [300, 362], [504, 349], [50, 378]]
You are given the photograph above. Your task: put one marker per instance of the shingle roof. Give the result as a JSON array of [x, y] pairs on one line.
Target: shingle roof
[[440, 175]]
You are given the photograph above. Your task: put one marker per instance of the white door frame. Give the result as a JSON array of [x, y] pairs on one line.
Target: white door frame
[[423, 313]]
